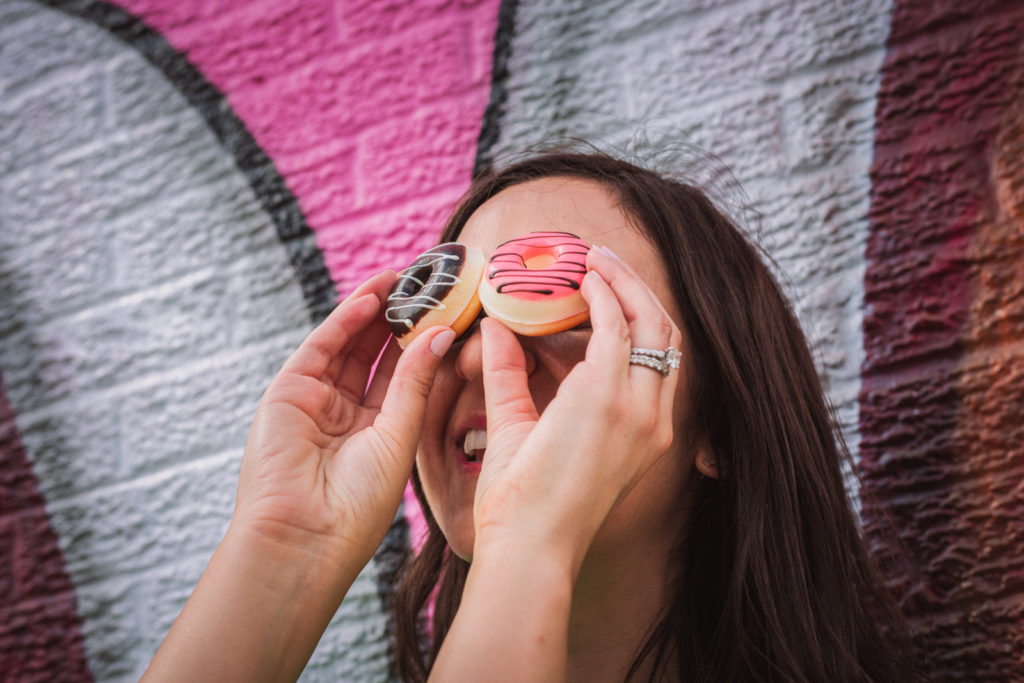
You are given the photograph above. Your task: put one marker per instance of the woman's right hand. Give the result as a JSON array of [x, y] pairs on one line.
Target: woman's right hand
[[323, 473]]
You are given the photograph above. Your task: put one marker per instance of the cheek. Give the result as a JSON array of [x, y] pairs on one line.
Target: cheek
[[441, 397], [430, 449]]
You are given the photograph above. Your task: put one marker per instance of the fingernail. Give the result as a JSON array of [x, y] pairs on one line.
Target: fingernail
[[440, 344], [610, 253]]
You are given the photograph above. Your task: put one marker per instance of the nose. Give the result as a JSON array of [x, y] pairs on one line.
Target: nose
[[469, 359]]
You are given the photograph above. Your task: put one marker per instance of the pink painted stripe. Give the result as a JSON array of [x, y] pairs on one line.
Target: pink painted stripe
[[369, 109]]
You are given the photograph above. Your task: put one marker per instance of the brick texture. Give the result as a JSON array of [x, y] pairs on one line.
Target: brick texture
[[768, 105], [154, 277], [157, 264], [944, 371]]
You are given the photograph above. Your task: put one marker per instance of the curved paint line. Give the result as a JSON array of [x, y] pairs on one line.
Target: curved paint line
[[40, 634], [267, 184], [265, 180], [490, 127]]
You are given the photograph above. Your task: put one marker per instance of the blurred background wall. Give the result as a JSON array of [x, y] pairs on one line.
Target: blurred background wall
[[187, 187]]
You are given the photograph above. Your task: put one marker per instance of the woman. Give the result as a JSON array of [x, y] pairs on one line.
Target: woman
[[623, 523]]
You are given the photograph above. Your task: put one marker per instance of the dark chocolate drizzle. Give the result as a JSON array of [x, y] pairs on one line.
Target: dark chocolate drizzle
[[542, 280]]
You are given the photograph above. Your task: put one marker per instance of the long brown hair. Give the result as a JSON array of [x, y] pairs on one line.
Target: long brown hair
[[773, 580]]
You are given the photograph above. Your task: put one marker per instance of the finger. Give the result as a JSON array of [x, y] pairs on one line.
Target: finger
[[320, 352], [323, 345], [603, 251], [358, 358], [380, 285], [649, 323], [609, 343], [650, 326], [406, 390], [507, 396]]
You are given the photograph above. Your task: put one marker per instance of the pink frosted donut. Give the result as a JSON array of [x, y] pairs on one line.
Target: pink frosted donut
[[532, 283]]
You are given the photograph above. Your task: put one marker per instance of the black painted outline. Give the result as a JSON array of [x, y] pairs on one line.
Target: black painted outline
[[272, 192], [266, 183], [273, 195], [490, 127]]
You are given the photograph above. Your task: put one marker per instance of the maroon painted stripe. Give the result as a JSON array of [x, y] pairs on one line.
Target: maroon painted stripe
[[40, 631], [942, 454]]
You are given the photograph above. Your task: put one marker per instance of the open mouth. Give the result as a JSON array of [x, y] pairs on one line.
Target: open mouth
[[474, 444]]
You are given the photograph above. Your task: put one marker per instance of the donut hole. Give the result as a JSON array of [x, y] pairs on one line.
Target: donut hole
[[539, 259], [418, 277]]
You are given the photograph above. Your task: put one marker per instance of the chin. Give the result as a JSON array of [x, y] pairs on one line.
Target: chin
[[458, 531], [461, 544]]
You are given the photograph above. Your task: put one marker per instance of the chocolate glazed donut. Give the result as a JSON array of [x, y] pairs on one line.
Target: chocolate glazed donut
[[439, 288]]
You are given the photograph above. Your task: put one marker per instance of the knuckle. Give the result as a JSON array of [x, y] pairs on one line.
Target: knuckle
[[666, 329], [414, 383], [647, 421], [620, 330], [618, 411]]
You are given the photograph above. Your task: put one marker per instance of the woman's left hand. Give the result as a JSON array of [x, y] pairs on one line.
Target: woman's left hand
[[548, 482], [555, 478]]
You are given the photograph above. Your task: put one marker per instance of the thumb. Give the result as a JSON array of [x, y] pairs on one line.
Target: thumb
[[405, 390], [511, 412]]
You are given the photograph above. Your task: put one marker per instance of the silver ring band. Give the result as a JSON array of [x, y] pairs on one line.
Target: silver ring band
[[662, 361]]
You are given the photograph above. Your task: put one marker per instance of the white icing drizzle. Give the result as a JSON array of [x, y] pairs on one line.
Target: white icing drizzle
[[418, 301]]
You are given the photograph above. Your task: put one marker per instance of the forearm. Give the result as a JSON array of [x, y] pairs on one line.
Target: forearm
[[513, 619], [256, 614]]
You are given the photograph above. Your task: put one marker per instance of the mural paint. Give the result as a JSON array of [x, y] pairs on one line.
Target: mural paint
[[122, 297], [183, 195], [136, 378], [943, 442], [40, 631], [781, 93]]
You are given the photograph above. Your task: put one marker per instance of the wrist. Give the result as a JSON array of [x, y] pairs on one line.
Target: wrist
[[257, 613], [304, 569], [530, 546], [554, 535], [531, 589]]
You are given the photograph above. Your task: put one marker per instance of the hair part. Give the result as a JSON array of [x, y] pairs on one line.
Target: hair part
[[772, 580]]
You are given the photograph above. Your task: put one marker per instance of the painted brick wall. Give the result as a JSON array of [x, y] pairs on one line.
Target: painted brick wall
[[943, 379], [781, 92], [186, 186]]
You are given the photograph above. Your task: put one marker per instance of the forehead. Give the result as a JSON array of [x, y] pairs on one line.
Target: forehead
[[582, 207]]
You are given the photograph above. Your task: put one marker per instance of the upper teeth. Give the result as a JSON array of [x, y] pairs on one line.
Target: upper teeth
[[476, 439]]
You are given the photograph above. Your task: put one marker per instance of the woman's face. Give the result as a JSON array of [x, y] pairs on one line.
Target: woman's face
[[651, 512]]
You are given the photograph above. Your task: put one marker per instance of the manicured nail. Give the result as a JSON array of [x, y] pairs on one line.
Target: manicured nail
[[603, 250], [440, 344], [610, 253]]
